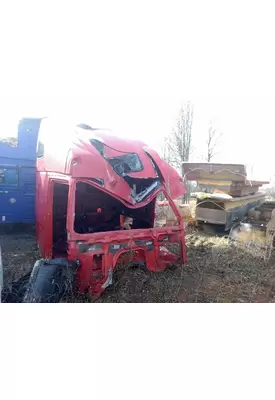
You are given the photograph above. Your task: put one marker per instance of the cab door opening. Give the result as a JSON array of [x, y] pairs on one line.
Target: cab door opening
[[60, 204]]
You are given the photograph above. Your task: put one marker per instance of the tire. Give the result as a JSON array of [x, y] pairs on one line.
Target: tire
[[50, 281]]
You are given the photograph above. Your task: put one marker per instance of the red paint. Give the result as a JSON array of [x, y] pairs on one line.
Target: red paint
[[80, 161]]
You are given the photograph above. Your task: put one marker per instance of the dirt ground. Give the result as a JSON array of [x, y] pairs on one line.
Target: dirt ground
[[215, 272]]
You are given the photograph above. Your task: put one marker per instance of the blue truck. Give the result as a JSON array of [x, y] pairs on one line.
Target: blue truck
[[17, 174]]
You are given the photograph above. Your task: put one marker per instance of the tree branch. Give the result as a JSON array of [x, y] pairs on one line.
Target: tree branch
[[212, 142]]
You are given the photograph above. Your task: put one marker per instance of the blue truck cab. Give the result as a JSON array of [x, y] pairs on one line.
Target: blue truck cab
[[17, 174]]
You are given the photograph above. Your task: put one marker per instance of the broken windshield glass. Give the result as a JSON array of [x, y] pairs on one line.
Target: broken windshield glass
[[142, 195], [121, 162], [126, 163]]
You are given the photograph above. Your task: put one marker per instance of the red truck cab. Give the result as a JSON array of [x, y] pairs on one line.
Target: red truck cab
[[88, 184]]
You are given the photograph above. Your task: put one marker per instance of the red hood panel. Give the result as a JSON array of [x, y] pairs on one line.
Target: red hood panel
[[173, 181], [98, 167], [115, 145]]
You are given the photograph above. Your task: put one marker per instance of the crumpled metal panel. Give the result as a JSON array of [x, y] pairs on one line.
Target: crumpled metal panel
[[85, 161]]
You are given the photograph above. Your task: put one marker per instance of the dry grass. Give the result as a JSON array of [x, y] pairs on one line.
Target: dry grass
[[19, 252], [215, 272]]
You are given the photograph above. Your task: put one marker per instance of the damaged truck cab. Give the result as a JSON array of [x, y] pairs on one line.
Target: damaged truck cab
[[97, 205]]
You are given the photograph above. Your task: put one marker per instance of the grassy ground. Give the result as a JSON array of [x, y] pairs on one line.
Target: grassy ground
[[215, 272]]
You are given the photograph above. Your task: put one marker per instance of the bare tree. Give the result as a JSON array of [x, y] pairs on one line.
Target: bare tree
[[212, 141], [177, 145]]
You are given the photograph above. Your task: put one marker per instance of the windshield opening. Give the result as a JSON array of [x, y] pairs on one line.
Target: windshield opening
[[122, 162]]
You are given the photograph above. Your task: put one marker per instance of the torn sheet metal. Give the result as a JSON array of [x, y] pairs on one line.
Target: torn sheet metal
[[128, 169]]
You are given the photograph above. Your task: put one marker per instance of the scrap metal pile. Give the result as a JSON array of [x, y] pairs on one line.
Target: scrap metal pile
[[226, 196]]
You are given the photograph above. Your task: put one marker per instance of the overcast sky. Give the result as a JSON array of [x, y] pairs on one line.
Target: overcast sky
[[138, 62], [247, 123]]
